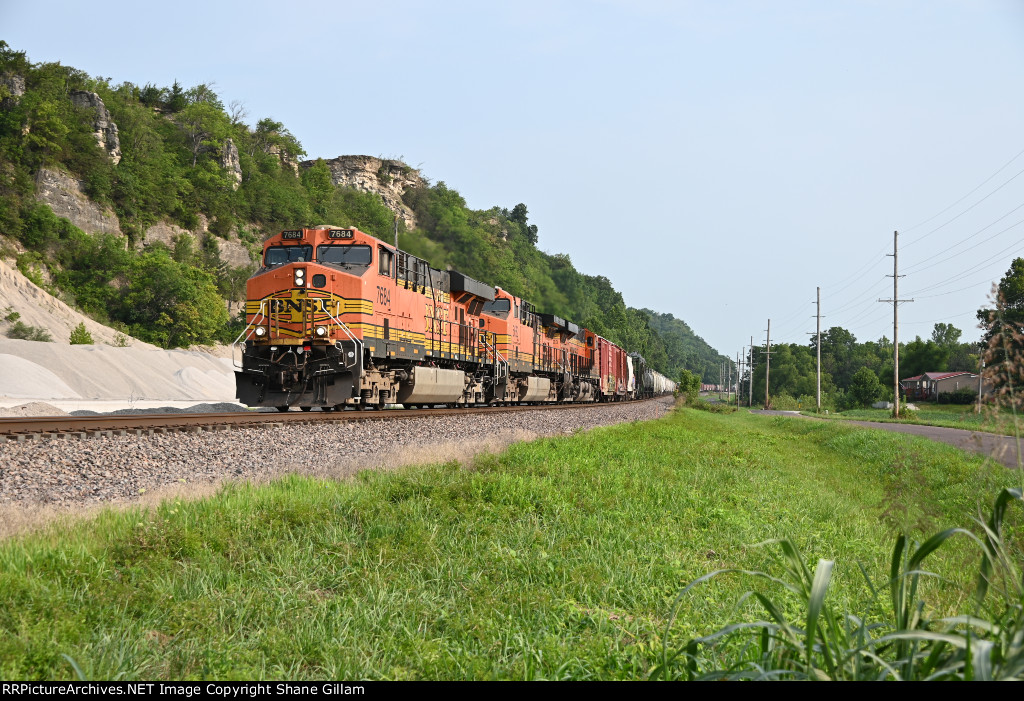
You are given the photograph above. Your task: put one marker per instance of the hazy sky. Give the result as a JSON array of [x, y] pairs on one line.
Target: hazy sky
[[717, 160]]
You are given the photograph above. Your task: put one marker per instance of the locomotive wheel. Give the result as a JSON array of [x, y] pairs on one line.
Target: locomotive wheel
[[305, 408], [282, 408]]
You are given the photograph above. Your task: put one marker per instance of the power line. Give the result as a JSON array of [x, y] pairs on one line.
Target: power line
[[983, 183], [961, 243], [972, 269], [993, 236], [923, 236]]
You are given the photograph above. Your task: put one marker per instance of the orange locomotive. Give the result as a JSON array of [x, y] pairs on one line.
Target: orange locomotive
[[336, 317]]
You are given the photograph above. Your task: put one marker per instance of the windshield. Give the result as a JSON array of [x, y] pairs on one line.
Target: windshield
[[343, 254], [279, 255], [498, 307]]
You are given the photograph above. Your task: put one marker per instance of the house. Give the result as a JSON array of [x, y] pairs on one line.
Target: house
[[930, 385]]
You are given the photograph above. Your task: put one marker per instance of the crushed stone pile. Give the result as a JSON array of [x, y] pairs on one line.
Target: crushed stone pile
[[35, 370], [32, 409], [214, 408]]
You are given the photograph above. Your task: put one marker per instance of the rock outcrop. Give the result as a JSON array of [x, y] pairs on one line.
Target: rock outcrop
[[387, 178], [232, 253], [230, 162], [103, 126], [12, 87], [286, 160], [65, 197], [163, 232]]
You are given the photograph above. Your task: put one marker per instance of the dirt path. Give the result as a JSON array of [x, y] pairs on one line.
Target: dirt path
[[1000, 448]]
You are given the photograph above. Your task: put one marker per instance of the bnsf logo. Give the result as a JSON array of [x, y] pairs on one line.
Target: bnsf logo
[[298, 306]]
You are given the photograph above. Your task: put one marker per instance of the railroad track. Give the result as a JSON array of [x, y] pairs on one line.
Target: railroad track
[[81, 427]]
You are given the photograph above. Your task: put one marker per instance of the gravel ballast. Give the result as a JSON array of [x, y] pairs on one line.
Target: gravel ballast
[[70, 473]]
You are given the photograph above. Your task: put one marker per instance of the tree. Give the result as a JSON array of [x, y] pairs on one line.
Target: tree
[[689, 386], [81, 336], [204, 126], [270, 135], [169, 303], [919, 357], [946, 335], [176, 100], [1003, 340], [46, 130], [864, 388], [318, 183], [518, 216]]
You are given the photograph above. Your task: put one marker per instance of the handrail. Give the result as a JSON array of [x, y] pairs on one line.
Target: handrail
[[346, 330], [251, 325], [498, 356]]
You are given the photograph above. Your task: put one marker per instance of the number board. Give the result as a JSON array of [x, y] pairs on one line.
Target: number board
[[340, 234], [297, 234]]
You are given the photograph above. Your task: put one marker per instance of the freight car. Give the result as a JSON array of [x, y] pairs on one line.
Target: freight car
[[336, 318]]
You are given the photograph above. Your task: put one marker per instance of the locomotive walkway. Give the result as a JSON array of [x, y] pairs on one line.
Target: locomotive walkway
[[1002, 449]]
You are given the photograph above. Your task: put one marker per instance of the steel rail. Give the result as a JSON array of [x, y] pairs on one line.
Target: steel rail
[[22, 428]]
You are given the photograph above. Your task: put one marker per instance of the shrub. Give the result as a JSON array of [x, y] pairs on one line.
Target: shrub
[[80, 336], [964, 395], [689, 386], [864, 388], [23, 331]]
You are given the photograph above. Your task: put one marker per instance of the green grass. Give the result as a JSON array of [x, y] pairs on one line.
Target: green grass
[[556, 559], [946, 415]]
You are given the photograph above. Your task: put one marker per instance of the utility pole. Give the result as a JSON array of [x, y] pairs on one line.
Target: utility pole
[[768, 367], [819, 350], [728, 393], [818, 332], [981, 375], [895, 323], [739, 377], [750, 388]]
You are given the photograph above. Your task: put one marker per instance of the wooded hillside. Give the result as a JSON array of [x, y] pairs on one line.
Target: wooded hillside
[[178, 157]]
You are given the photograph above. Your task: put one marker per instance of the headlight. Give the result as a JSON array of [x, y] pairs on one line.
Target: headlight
[[321, 331], [300, 278], [260, 331]]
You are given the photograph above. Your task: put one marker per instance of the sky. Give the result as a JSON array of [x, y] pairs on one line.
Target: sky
[[715, 159]]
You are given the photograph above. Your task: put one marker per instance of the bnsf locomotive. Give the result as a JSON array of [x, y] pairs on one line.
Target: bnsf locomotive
[[336, 318]]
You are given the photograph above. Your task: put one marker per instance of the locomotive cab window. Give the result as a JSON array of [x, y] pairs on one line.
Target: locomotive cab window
[[279, 255], [498, 308], [384, 256], [344, 255]]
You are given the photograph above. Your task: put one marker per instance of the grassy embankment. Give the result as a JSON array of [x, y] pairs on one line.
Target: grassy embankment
[[948, 415], [558, 559]]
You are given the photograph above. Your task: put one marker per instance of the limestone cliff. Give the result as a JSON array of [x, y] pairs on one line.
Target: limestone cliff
[[232, 253], [12, 87], [230, 162], [64, 195], [387, 178], [103, 125]]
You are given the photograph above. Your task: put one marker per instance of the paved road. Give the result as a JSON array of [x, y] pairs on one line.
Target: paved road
[[1000, 448]]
